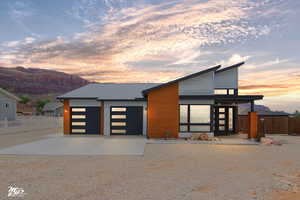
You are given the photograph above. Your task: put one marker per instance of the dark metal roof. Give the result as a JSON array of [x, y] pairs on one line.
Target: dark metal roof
[[225, 98], [109, 91], [230, 67], [181, 79]]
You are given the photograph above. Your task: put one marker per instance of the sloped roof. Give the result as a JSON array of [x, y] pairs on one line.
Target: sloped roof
[[109, 91], [9, 95], [51, 106], [129, 91], [182, 78], [230, 67]]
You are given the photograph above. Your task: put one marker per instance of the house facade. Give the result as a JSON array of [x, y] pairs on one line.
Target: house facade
[[8, 105], [53, 109], [203, 102]]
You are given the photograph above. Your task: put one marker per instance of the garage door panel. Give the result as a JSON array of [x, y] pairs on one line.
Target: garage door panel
[[79, 120], [85, 120], [131, 117], [119, 113], [134, 120], [118, 127], [118, 120]]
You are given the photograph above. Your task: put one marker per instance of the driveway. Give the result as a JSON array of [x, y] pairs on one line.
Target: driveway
[[80, 145]]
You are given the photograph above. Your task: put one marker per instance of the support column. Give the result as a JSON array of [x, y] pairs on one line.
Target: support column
[[252, 121], [252, 106], [66, 117]]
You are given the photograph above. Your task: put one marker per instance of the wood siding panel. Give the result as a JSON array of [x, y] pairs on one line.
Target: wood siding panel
[[270, 125], [66, 117], [163, 112]]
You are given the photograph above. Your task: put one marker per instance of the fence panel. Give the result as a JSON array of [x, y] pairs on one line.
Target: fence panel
[[270, 124], [294, 125]]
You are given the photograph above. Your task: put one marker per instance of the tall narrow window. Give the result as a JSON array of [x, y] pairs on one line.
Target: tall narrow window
[[183, 113]]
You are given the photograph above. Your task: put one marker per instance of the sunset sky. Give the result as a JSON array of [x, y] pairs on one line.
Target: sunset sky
[[156, 41]]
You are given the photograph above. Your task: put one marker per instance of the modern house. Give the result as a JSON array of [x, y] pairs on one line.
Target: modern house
[[8, 105], [54, 109], [203, 102]]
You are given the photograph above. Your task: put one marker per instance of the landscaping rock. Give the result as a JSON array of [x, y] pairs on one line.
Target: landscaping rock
[[203, 136], [266, 141], [195, 137], [269, 141]]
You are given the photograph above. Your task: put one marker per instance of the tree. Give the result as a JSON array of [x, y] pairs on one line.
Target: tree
[[40, 104], [297, 114], [24, 99]]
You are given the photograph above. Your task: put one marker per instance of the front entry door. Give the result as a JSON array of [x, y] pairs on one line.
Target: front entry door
[[224, 120]]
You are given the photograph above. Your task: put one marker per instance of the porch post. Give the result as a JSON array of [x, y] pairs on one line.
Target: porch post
[[252, 106], [252, 121]]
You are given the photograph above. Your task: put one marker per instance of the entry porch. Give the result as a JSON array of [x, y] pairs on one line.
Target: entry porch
[[218, 118]]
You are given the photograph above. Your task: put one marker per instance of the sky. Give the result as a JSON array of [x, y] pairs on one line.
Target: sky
[[157, 41]]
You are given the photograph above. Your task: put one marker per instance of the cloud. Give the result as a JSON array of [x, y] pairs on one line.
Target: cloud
[[235, 58], [19, 11], [170, 35], [267, 64], [270, 82]]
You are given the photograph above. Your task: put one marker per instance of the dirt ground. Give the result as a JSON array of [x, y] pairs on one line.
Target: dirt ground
[[166, 171]]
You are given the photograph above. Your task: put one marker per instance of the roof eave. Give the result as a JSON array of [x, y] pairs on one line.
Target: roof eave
[[230, 67]]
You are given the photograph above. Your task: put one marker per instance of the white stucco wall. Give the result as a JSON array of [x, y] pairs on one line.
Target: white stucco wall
[[84, 103], [200, 85], [108, 104], [9, 112], [227, 79]]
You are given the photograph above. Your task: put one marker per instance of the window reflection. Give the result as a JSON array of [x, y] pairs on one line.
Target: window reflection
[[183, 113], [200, 114]]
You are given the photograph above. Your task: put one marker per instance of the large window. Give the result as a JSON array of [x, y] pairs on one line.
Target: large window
[[195, 118]]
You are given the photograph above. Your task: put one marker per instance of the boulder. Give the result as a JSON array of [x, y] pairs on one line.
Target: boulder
[[266, 141], [195, 137], [203, 136], [269, 141]]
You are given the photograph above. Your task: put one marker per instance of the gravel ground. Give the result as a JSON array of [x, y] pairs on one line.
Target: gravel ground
[[166, 171]]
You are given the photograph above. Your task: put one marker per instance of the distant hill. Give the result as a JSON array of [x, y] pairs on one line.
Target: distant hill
[[38, 82], [260, 109]]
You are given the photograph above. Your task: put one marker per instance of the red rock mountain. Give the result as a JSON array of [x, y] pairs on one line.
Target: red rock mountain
[[34, 81]]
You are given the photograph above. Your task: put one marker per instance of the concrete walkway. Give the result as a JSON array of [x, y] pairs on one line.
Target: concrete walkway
[[80, 145]]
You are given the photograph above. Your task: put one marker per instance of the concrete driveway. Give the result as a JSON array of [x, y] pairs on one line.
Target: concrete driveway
[[80, 145]]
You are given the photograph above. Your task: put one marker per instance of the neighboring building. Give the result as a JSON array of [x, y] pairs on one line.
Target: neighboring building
[[201, 102], [8, 105], [53, 109]]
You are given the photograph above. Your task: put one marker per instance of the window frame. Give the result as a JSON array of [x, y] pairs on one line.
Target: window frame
[[189, 124], [235, 91]]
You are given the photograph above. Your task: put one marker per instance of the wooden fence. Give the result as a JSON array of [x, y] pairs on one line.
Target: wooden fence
[[271, 124], [294, 125]]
